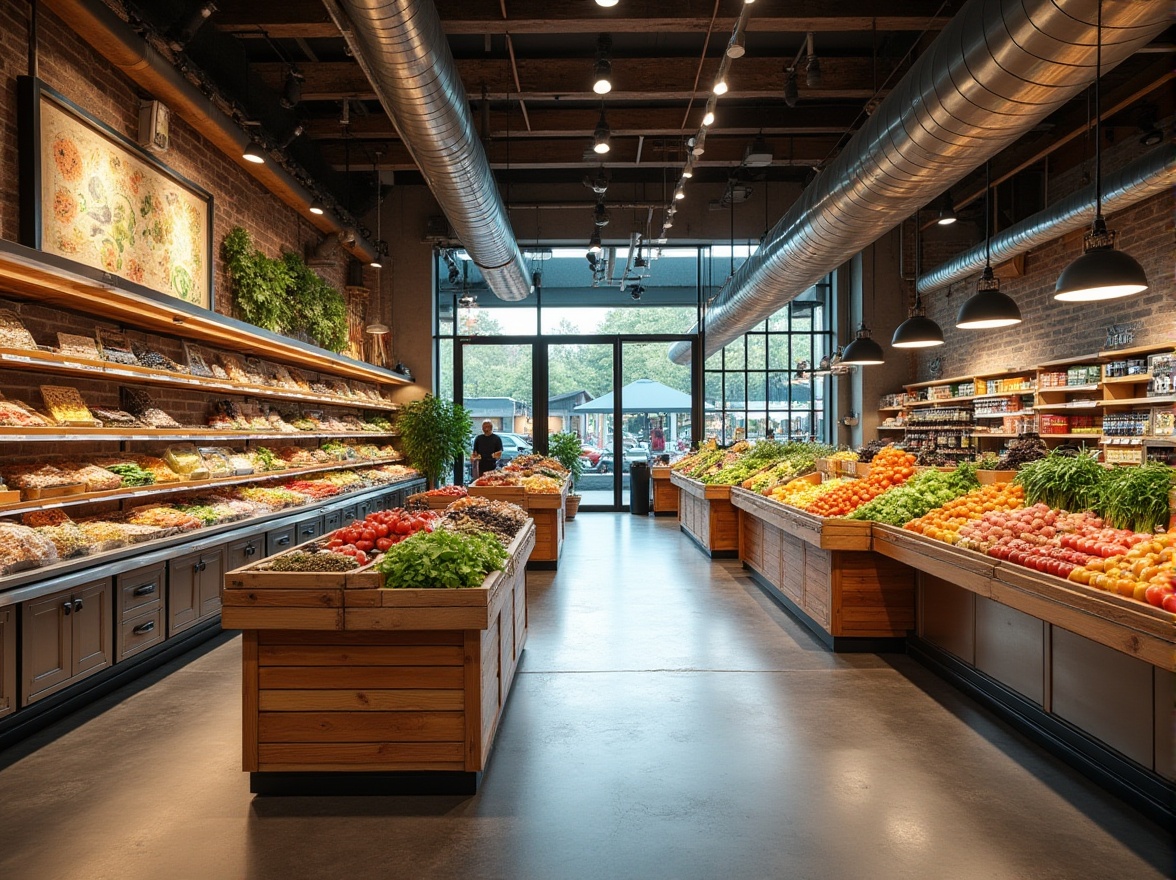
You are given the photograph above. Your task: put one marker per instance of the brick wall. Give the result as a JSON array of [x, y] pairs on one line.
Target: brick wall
[[69, 65]]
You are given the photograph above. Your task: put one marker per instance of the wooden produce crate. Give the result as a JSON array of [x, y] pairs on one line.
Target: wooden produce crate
[[431, 502], [706, 515], [547, 510], [254, 598], [408, 693], [665, 493], [852, 598], [513, 494], [987, 478]]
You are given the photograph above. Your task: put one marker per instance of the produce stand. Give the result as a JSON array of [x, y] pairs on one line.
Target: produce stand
[[1089, 674], [350, 688], [823, 570], [548, 511], [706, 515], [665, 493]]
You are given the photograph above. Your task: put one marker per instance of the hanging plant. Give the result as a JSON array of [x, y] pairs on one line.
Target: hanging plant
[[283, 295]]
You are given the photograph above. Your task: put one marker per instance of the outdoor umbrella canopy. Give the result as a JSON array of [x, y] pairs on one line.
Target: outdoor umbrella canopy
[[644, 395]]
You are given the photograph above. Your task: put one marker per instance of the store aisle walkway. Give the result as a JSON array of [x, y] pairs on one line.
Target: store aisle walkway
[[669, 722]]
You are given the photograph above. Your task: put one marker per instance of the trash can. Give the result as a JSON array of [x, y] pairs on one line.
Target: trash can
[[639, 489]]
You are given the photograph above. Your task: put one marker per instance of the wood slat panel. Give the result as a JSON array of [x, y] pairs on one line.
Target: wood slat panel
[[421, 637], [350, 754], [313, 677], [361, 700], [342, 727], [475, 698], [282, 618], [249, 701], [414, 618], [279, 598], [360, 655]]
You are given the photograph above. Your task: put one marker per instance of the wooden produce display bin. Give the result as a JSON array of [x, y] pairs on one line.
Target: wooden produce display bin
[[350, 688], [665, 493], [705, 514], [825, 572], [429, 502], [547, 510]]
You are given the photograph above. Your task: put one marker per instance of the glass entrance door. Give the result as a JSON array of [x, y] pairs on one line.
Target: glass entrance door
[[495, 381], [579, 399]]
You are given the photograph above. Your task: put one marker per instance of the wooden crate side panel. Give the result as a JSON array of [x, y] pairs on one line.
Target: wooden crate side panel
[[723, 525], [362, 756], [414, 618], [379, 700], [472, 692], [249, 701], [773, 549], [421, 637], [490, 686], [234, 617], [339, 727], [872, 595], [792, 568], [282, 598], [751, 541], [328, 677], [818, 584], [360, 655]]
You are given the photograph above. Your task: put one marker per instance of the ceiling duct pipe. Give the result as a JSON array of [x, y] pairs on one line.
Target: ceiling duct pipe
[[114, 40], [1149, 175], [402, 49], [995, 71]]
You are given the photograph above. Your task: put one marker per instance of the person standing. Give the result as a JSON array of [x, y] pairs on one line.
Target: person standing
[[487, 450], [657, 438]]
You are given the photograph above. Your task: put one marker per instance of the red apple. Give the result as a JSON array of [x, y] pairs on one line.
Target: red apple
[[1169, 603]]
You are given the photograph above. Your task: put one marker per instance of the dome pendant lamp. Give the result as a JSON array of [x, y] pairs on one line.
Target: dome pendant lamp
[[917, 331], [1101, 272], [864, 351], [988, 308]]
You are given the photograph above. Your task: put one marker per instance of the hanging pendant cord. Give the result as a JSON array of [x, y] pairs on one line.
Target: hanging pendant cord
[[988, 214], [1098, 114], [918, 263]]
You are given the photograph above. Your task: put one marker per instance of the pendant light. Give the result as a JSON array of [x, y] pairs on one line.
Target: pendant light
[[917, 331], [988, 308], [600, 137], [602, 71], [864, 351], [1101, 272]]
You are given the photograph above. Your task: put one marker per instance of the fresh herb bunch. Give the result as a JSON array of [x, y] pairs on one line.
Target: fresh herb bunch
[[921, 494], [1136, 498], [1063, 482], [441, 559], [132, 474]]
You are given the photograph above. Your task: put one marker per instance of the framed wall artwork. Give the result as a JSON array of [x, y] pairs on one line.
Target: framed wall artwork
[[91, 195]]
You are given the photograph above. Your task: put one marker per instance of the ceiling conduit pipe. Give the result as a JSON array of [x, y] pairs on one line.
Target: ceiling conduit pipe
[[402, 48], [1149, 175], [995, 71]]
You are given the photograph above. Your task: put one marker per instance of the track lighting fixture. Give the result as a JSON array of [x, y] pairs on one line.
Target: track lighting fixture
[[720, 86], [680, 191], [988, 308], [253, 154], [602, 72], [708, 118], [190, 25], [688, 171], [607, 3], [292, 136], [594, 246], [316, 208], [947, 214], [600, 137], [1101, 272], [791, 93], [292, 93], [600, 216], [377, 261], [736, 47]]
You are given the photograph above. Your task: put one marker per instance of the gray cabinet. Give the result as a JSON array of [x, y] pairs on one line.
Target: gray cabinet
[[139, 610], [308, 529], [7, 661], [244, 551], [66, 637], [194, 582], [277, 540]]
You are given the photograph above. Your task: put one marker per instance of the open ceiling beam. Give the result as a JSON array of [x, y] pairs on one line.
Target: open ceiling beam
[[308, 18], [634, 79]]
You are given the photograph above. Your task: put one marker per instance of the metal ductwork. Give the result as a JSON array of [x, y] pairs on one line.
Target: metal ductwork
[[1147, 176], [402, 48], [995, 71]]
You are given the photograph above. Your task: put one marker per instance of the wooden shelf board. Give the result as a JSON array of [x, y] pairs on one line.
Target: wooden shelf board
[[26, 273], [891, 408], [64, 434], [182, 486], [1088, 360], [1066, 389], [946, 401], [1119, 354], [1141, 401], [1067, 407], [892, 427], [1019, 412], [1137, 379], [82, 368], [1138, 441]]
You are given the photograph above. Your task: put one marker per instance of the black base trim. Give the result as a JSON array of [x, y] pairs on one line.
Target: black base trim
[[405, 782], [837, 644], [665, 513], [543, 565], [713, 554], [1138, 786], [41, 714]]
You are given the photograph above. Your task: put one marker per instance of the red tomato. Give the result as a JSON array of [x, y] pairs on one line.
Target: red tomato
[[402, 528], [1156, 593], [368, 535], [1169, 603], [381, 530], [383, 544], [364, 545], [361, 558], [349, 550]]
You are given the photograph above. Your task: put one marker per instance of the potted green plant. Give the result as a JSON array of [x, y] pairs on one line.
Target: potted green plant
[[434, 432], [566, 448]]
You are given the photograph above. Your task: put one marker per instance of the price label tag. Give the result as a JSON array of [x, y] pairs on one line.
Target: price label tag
[[74, 366], [19, 358], [115, 372], [140, 437]]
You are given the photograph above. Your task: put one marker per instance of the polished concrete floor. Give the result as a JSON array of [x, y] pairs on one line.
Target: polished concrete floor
[[669, 722]]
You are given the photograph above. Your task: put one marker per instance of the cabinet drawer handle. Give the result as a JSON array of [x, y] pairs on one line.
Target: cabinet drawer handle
[[77, 605], [250, 549], [67, 608], [308, 531], [143, 628], [203, 565], [145, 590], [283, 541]]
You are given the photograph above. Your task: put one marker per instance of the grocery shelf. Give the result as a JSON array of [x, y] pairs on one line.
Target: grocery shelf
[[1119, 354], [83, 368], [891, 408], [1020, 393], [892, 427], [1004, 415], [1048, 389], [945, 401], [1137, 441], [182, 486], [1063, 407], [1137, 379], [63, 434]]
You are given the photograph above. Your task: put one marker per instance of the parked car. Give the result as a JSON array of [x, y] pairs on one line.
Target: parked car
[[591, 456], [632, 454]]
